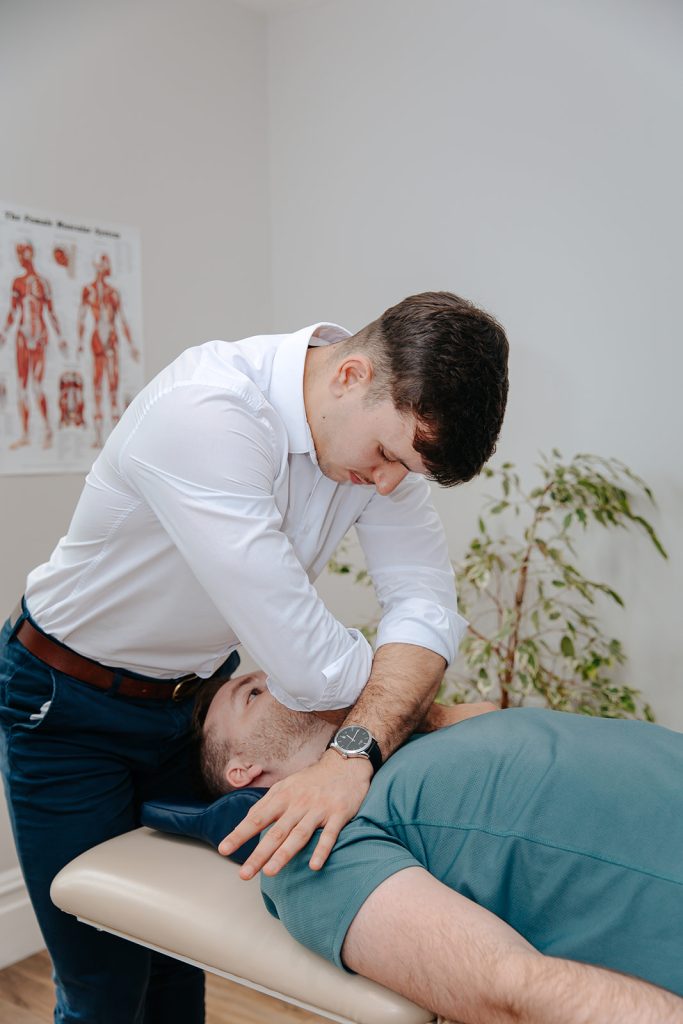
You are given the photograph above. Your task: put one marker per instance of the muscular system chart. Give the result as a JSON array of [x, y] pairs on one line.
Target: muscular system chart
[[70, 337]]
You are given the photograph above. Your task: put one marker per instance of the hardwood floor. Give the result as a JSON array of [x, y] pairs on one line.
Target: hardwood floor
[[26, 997]]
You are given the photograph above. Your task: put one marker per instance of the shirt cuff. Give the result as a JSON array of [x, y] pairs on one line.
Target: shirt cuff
[[342, 681], [424, 624]]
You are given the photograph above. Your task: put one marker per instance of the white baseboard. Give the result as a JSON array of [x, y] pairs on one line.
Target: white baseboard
[[19, 933]]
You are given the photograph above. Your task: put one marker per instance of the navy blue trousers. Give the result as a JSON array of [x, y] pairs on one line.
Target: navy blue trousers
[[77, 764]]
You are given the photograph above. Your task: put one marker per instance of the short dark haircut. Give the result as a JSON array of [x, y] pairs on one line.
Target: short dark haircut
[[211, 754], [445, 360]]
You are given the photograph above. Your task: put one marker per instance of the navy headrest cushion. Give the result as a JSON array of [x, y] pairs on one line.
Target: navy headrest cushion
[[210, 822]]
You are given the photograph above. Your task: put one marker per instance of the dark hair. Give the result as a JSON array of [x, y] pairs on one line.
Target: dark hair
[[202, 702], [444, 360], [211, 754]]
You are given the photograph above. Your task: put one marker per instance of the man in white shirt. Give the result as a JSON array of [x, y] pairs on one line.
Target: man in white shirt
[[217, 499]]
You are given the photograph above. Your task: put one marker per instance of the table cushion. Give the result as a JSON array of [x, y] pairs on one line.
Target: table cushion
[[210, 822], [178, 895]]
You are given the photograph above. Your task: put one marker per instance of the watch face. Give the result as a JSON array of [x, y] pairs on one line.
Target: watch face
[[353, 739]]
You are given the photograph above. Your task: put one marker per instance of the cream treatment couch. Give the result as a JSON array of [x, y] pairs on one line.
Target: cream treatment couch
[[179, 896]]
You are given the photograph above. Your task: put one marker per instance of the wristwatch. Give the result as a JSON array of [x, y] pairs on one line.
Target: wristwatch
[[357, 741]]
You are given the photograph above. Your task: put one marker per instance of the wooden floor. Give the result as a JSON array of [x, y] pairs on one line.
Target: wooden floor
[[26, 997]]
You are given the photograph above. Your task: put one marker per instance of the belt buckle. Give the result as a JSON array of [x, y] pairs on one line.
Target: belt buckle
[[185, 687]]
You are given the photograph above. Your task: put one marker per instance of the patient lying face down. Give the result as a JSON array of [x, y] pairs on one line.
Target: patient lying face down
[[487, 860]]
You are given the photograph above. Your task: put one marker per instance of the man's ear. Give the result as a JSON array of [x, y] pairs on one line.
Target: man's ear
[[354, 371], [238, 774]]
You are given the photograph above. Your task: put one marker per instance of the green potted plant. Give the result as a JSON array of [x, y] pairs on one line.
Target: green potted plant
[[535, 635]]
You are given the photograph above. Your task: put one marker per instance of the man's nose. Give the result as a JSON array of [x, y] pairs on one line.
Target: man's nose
[[388, 477]]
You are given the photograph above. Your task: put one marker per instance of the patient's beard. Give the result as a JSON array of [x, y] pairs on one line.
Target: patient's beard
[[283, 733]]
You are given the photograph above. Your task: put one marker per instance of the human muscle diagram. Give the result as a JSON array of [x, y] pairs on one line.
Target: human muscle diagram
[[101, 304], [31, 307], [70, 337]]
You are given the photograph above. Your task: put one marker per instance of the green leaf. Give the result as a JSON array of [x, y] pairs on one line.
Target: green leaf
[[612, 593], [652, 535], [567, 647]]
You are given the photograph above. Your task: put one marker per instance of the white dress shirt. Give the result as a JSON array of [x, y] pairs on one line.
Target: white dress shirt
[[205, 518]]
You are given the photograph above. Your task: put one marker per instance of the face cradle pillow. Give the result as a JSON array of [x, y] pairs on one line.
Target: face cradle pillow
[[210, 822]]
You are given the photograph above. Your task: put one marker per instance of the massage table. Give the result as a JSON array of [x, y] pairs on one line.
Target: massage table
[[166, 887]]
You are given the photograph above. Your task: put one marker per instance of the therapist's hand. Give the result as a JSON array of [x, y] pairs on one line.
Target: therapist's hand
[[326, 795], [460, 712], [440, 716]]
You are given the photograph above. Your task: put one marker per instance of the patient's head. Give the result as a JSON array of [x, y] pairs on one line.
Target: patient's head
[[247, 738]]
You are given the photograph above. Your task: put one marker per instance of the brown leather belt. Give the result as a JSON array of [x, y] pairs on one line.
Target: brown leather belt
[[62, 658]]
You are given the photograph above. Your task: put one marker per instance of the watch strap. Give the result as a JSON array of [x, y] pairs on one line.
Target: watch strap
[[375, 755]]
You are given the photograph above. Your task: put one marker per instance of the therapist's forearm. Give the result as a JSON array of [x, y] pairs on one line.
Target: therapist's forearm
[[437, 716], [398, 694]]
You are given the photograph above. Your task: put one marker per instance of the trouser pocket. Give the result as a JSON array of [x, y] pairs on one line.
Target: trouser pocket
[[28, 689]]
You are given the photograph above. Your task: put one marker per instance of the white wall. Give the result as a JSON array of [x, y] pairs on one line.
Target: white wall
[[528, 156], [152, 114]]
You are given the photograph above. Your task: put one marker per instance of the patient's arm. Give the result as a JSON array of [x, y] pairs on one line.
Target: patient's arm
[[459, 960]]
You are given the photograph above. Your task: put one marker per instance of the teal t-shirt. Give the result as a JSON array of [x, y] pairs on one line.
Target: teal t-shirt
[[567, 827]]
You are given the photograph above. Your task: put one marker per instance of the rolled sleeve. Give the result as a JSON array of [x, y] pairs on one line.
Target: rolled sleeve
[[344, 679], [425, 624], [407, 558]]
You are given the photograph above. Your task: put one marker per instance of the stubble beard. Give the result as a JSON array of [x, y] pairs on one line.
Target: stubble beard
[[282, 735]]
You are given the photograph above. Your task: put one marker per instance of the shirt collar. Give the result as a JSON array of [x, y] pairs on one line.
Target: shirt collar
[[286, 393]]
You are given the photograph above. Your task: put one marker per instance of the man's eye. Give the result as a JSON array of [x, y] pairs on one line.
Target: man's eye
[[252, 693]]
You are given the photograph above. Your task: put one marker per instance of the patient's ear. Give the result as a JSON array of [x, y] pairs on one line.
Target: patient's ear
[[239, 774]]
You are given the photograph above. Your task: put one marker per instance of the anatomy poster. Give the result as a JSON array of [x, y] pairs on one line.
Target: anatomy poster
[[70, 337]]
